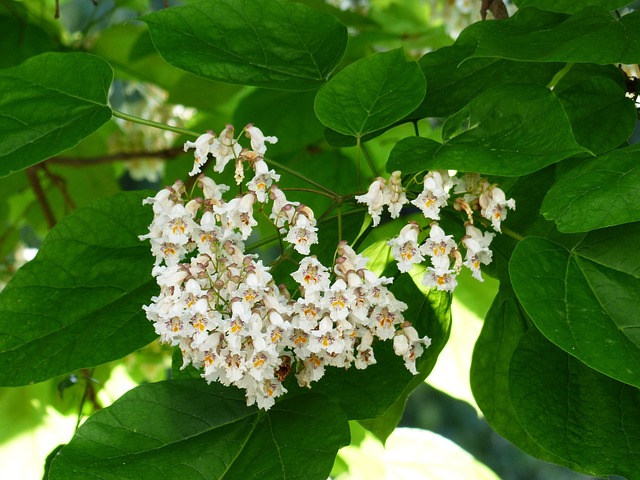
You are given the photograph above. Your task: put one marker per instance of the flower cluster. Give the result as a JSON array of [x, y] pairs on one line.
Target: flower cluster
[[474, 194], [224, 309]]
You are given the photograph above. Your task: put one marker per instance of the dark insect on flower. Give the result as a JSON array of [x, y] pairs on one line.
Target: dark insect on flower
[[284, 369]]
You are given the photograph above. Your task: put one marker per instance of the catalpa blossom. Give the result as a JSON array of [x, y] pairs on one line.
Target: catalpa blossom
[[404, 247], [374, 199], [221, 306], [493, 204], [435, 194]]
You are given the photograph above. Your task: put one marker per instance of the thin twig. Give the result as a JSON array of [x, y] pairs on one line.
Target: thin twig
[[34, 180], [61, 185], [167, 153]]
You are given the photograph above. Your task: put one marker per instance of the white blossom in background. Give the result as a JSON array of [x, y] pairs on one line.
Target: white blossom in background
[[222, 307]]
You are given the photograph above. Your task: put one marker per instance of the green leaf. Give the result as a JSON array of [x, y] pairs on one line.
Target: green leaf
[[596, 193], [509, 130], [570, 6], [79, 302], [190, 430], [51, 102], [265, 43], [594, 98], [454, 79], [430, 312], [293, 122], [504, 326], [371, 94], [20, 41], [579, 414], [590, 36], [583, 299]]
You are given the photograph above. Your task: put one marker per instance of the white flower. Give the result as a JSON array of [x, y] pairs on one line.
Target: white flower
[[494, 204], [396, 194], [258, 139], [438, 246], [262, 180], [441, 278], [302, 235], [312, 275], [404, 247], [375, 199], [434, 195], [478, 252], [202, 147], [225, 148], [408, 345]]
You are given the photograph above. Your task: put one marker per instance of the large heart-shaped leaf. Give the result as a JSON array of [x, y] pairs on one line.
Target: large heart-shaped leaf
[[371, 94], [267, 43], [190, 430], [49, 103], [596, 193], [504, 326], [581, 415], [570, 6], [454, 79], [592, 35], [584, 299], [79, 302], [594, 97], [509, 130]]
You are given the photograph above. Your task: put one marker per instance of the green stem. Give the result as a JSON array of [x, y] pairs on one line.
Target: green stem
[[310, 190], [368, 158], [149, 123], [510, 233], [279, 166]]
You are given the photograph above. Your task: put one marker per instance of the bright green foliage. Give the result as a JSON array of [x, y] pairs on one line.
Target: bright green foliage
[[79, 302], [52, 101], [370, 94], [270, 44], [581, 299], [586, 190], [537, 101], [212, 434]]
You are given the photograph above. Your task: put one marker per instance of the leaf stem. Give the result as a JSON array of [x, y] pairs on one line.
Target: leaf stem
[[150, 123], [368, 158], [319, 186], [510, 233]]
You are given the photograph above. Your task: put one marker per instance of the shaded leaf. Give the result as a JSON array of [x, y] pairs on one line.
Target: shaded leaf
[[592, 35], [266, 43], [594, 98], [504, 326], [79, 302], [581, 299], [579, 414], [597, 192], [570, 6], [509, 130], [370, 94], [206, 431], [454, 79], [51, 102]]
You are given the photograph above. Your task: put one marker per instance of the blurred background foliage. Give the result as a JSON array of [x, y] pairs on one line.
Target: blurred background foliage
[[121, 155]]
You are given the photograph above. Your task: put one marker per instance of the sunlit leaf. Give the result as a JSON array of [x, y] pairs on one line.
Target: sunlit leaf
[[582, 299], [51, 102], [188, 429], [370, 94], [596, 193], [266, 43], [79, 302]]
